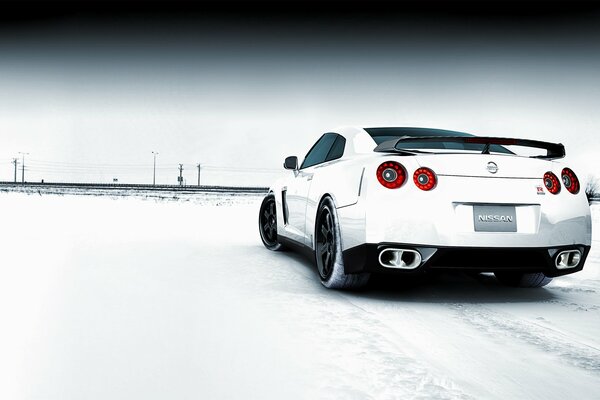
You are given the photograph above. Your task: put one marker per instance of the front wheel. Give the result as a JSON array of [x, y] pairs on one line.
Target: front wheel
[[328, 251], [516, 279], [267, 223]]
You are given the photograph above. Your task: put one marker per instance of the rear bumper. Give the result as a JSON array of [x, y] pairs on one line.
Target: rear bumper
[[445, 217], [365, 258]]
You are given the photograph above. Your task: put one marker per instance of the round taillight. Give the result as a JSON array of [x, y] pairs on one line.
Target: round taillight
[[391, 174], [551, 182], [425, 178], [570, 180]]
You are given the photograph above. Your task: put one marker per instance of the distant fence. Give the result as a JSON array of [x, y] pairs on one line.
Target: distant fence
[[145, 187]]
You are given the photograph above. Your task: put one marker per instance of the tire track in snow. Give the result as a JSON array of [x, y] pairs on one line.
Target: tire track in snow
[[357, 335], [357, 357], [546, 339], [372, 342]]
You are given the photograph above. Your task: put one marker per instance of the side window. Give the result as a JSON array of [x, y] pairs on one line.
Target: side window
[[337, 150], [319, 151]]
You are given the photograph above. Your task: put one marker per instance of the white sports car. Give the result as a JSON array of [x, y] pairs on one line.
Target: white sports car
[[409, 200]]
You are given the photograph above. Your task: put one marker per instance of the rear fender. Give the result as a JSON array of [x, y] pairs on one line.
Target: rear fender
[[338, 179]]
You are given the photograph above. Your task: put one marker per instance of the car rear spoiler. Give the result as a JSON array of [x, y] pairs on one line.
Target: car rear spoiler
[[554, 150]]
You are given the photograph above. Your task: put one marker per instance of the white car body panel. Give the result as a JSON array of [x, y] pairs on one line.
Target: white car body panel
[[371, 213]]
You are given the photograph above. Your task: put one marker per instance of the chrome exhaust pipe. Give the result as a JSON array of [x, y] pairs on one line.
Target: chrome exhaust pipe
[[400, 258], [568, 259]]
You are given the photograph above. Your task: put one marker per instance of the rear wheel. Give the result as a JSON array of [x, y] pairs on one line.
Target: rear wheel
[[328, 251], [267, 223], [516, 279]]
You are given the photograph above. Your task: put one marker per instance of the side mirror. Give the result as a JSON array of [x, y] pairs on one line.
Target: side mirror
[[291, 163]]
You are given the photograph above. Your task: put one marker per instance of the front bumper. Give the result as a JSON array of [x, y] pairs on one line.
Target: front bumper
[[365, 258]]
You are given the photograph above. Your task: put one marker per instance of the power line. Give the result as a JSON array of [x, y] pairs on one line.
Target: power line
[[87, 164], [241, 168], [86, 169], [80, 171], [90, 166], [70, 165]]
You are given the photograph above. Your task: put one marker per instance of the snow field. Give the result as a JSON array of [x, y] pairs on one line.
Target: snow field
[[130, 298]]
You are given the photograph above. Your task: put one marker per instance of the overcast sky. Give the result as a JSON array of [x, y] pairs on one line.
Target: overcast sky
[[245, 92]]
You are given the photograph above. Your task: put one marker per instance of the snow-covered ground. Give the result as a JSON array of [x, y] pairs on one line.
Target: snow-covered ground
[[106, 298]]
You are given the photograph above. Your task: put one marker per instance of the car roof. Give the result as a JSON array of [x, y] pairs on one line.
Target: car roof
[[358, 141]]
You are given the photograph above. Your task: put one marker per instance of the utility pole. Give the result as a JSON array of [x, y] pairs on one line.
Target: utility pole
[[199, 166], [15, 161], [154, 169], [180, 179], [23, 167]]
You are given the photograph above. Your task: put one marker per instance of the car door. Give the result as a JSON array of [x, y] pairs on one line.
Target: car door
[[326, 176], [298, 188]]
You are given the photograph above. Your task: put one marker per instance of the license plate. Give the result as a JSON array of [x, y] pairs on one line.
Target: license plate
[[494, 218]]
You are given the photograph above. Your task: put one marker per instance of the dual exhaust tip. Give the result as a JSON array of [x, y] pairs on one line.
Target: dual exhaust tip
[[411, 259], [400, 258], [568, 259]]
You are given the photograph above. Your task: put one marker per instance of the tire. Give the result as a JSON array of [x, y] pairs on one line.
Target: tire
[[328, 251], [516, 279], [267, 223]]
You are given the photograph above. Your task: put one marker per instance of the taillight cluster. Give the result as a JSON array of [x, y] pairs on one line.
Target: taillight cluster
[[425, 179], [569, 179], [551, 182], [392, 175]]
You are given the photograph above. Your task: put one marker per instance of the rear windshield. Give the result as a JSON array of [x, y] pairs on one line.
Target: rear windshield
[[381, 135]]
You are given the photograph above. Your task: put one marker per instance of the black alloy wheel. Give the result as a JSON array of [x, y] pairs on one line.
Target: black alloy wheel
[[267, 223], [326, 243]]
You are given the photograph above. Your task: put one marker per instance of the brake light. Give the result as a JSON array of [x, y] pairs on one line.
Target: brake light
[[570, 180], [425, 178], [551, 182], [391, 174]]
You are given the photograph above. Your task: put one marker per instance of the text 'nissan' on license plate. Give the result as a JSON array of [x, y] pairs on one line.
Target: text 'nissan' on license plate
[[494, 218]]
